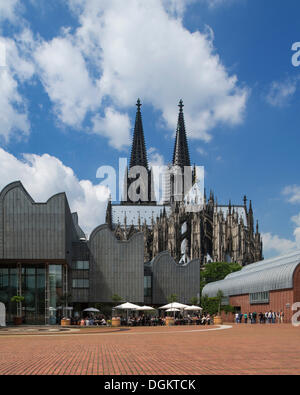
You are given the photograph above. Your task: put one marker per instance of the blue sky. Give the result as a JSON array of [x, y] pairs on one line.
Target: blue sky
[[74, 70]]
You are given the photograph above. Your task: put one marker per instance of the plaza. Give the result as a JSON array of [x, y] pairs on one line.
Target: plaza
[[229, 349]]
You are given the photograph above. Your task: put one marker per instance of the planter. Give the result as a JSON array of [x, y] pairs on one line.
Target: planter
[[18, 320], [116, 321], [218, 320], [65, 322], [170, 321]]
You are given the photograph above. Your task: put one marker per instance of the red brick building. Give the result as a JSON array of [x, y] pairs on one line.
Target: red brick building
[[270, 285]]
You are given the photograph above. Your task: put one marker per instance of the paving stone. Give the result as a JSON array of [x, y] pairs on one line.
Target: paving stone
[[244, 349]]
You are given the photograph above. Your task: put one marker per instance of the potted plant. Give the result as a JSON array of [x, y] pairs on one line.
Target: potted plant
[[18, 300]]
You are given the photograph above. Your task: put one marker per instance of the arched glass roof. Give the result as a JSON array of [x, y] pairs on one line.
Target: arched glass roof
[[271, 274]]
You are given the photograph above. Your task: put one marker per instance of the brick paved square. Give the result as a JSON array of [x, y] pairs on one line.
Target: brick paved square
[[242, 349]]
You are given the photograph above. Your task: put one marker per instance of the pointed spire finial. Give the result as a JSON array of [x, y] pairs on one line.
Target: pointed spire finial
[[181, 156], [139, 104], [181, 105], [138, 150]]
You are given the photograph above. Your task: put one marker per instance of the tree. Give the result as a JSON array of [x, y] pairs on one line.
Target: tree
[[116, 299], [216, 271], [219, 298], [172, 298], [194, 300]]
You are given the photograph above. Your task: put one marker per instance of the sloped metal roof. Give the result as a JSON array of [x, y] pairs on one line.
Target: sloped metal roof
[[271, 274]]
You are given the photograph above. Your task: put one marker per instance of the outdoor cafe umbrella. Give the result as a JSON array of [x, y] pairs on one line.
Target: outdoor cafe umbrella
[[145, 308], [92, 310], [174, 305], [193, 308], [127, 306]]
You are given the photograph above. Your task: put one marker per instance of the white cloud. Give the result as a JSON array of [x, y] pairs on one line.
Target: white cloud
[[275, 244], [293, 193], [116, 55], [9, 10], [202, 151], [13, 106], [281, 92], [217, 3], [296, 219], [115, 126], [44, 176], [280, 245], [66, 79]]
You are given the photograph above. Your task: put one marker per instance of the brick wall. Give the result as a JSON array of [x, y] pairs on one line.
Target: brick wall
[[278, 301]]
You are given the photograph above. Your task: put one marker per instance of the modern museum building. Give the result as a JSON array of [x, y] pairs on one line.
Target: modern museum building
[[45, 257]]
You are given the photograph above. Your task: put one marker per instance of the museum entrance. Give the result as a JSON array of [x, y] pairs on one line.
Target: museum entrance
[[33, 290], [43, 287]]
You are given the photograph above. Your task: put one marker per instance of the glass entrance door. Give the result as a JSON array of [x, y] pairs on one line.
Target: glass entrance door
[[33, 289]]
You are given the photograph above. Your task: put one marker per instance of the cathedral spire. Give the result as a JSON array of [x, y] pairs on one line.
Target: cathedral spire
[[138, 151], [181, 156]]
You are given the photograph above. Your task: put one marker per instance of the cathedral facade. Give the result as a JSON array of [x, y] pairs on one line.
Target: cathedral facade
[[208, 232]]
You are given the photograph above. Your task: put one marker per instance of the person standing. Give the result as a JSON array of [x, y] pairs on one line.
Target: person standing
[[241, 318], [245, 318], [254, 317]]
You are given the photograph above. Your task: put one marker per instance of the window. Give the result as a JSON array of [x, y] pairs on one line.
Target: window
[[259, 297], [81, 265], [80, 283], [147, 285]]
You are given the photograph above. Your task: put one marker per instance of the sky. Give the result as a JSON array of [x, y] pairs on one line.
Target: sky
[[72, 70]]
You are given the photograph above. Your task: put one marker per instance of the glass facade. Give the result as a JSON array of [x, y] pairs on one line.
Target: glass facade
[[259, 297], [41, 287], [80, 283], [33, 290], [8, 289], [81, 265], [147, 286]]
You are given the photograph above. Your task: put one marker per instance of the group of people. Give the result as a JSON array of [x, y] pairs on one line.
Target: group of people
[[89, 321], [270, 317], [143, 320], [146, 320]]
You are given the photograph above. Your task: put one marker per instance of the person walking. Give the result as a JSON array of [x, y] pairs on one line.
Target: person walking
[[236, 318], [281, 316]]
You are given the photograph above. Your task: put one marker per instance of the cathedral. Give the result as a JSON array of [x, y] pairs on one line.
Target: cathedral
[[210, 232]]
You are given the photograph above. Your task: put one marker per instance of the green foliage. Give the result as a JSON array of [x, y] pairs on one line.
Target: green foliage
[[215, 271], [194, 300], [219, 298], [172, 298], [228, 309], [210, 305], [17, 299], [116, 298]]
